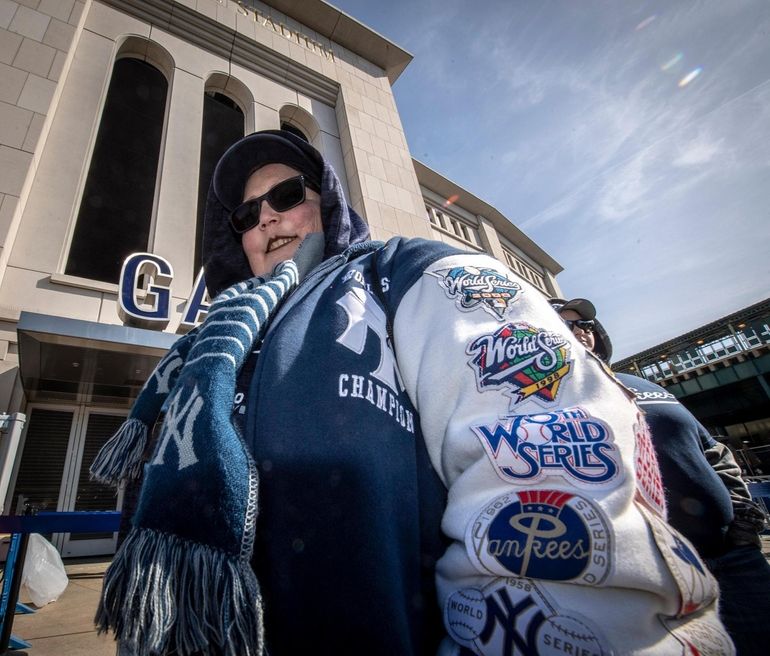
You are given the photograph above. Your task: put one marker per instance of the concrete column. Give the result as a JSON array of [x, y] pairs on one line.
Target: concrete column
[[489, 238], [174, 236], [551, 284]]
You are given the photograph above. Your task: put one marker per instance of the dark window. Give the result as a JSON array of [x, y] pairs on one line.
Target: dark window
[[116, 210], [222, 126], [42, 460], [294, 130]]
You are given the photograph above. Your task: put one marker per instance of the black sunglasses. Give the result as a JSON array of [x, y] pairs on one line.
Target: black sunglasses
[[282, 197], [584, 325]]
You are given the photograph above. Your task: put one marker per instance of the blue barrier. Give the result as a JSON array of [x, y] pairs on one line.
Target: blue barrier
[[61, 522], [10, 594], [20, 526], [757, 490], [760, 492]]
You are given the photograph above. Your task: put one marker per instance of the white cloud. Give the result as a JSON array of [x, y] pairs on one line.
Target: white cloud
[[697, 153], [653, 197]]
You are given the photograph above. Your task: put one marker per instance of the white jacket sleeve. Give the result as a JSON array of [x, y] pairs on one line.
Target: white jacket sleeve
[[555, 506]]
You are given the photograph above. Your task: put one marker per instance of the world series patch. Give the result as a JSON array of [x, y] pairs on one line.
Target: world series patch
[[524, 361], [542, 534], [473, 287], [570, 443], [649, 486], [699, 636], [697, 587], [514, 616]]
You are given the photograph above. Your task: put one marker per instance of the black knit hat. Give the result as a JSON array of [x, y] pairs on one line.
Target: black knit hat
[[223, 257], [258, 149]]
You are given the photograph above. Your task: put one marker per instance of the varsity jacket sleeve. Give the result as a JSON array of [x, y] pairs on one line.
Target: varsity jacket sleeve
[[555, 507]]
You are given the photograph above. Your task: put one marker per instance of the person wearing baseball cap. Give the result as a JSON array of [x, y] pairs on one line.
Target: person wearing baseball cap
[[580, 316], [707, 499], [324, 480]]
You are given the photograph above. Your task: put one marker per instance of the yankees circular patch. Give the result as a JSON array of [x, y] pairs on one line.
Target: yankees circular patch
[[541, 534], [514, 616]]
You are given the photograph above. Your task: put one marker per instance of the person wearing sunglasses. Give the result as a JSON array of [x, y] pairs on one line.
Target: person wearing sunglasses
[[707, 499], [283, 216], [378, 448], [579, 315]]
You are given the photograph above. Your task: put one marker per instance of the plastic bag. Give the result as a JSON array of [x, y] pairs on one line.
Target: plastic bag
[[44, 575]]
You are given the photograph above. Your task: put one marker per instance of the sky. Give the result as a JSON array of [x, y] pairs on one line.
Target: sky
[[630, 140]]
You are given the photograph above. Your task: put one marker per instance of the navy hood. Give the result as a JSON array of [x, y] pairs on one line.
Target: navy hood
[[224, 261]]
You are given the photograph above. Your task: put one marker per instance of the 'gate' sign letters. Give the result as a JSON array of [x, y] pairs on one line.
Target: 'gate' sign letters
[[144, 294]]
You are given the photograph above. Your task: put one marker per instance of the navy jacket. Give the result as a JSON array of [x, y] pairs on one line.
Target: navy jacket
[[698, 502], [359, 498], [517, 505]]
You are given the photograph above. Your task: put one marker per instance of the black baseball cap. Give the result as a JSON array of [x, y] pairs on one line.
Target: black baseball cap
[[586, 309], [258, 149], [582, 306]]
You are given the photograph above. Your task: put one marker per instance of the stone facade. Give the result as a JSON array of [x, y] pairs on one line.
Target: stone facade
[[305, 64]]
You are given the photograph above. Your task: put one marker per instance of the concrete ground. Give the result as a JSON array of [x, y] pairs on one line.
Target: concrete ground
[[66, 626]]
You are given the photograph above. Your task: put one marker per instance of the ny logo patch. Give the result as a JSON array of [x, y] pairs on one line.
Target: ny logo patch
[[178, 429], [517, 619], [364, 315]]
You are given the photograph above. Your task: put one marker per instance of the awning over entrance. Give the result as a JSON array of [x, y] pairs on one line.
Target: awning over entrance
[[86, 362]]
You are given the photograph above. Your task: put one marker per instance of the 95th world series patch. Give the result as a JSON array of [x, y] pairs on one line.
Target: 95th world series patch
[[570, 444], [541, 534], [515, 616]]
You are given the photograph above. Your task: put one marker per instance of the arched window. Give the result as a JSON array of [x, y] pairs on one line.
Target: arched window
[[116, 210], [288, 127], [301, 123], [223, 125]]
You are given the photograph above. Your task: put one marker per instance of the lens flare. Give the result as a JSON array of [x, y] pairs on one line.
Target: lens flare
[[689, 77], [672, 62], [453, 198], [645, 22]]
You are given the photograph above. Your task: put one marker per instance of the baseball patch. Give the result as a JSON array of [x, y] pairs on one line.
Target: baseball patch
[[649, 486], [700, 636], [513, 616], [542, 534], [472, 287], [523, 361], [697, 587], [570, 443]]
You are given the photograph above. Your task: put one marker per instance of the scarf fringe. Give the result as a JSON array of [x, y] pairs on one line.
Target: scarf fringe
[[121, 456], [207, 603]]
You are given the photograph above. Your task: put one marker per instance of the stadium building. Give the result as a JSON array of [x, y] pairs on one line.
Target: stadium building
[[721, 372], [112, 115]]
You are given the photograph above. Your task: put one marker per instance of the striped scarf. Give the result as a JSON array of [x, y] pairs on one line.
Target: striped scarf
[[181, 582]]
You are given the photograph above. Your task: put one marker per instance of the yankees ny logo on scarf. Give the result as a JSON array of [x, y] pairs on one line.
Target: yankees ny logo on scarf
[[181, 582]]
